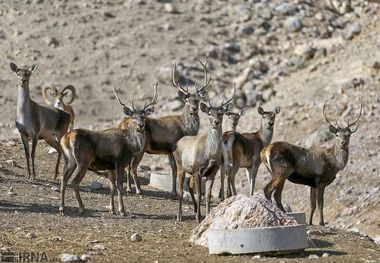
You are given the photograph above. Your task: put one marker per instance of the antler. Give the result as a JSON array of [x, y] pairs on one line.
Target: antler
[[357, 119], [71, 88], [117, 97], [175, 84], [324, 115], [154, 97], [45, 96], [230, 99], [206, 82]]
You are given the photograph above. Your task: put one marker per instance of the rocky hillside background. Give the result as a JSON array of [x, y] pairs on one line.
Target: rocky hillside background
[[297, 54]]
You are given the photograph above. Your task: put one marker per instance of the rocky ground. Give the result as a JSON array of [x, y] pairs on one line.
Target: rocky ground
[[296, 54]]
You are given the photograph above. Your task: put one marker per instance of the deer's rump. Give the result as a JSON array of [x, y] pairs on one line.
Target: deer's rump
[[297, 178]]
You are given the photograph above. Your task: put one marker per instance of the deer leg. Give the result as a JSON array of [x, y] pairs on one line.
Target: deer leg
[[55, 144], [112, 178], [70, 166], [313, 203], [252, 172], [33, 155], [120, 190], [135, 163], [190, 184], [197, 181], [231, 180], [25, 143], [209, 184], [278, 193], [222, 178], [129, 179], [173, 165], [181, 178], [79, 173], [320, 193]]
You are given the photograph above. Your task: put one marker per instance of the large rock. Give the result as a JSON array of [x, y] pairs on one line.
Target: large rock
[[240, 212]]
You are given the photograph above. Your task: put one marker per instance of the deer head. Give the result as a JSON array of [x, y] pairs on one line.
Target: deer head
[[216, 113], [343, 134], [191, 99], [235, 117], [58, 96], [23, 74], [138, 115], [268, 117]]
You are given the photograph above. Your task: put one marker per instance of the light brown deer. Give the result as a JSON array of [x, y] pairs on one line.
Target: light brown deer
[[242, 150], [200, 156], [58, 100], [37, 122], [163, 133], [315, 166], [111, 149], [234, 118]]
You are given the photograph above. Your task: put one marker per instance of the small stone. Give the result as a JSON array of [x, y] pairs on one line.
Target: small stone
[[170, 8], [285, 9], [325, 255], [85, 257], [96, 186], [136, 238], [99, 247], [108, 14], [256, 257], [313, 256], [11, 162], [52, 41], [57, 239], [292, 24], [68, 258], [52, 150], [31, 235], [54, 188], [352, 30]]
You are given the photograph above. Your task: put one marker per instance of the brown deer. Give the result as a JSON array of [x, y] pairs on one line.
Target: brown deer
[[242, 150], [58, 100], [111, 149], [315, 166], [200, 156], [234, 118], [163, 133], [37, 122]]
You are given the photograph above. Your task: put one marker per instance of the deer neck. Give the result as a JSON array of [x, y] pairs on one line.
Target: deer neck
[[136, 139], [265, 134], [190, 121], [340, 156], [23, 98], [214, 140]]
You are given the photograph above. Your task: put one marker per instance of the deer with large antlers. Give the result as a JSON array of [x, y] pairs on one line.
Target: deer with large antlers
[[37, 122], [242, 150], [111, 149], [163, 133], [58, 100], [200, 156], [316, 166]]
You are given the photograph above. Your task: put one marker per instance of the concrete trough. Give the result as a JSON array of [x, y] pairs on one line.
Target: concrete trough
[[300, 217], [163, 182], [278, 240]]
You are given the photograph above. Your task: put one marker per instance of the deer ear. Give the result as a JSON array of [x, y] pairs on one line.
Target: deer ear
[[202, 94], [14, 67], [128, 111], [354, 129], [183, 95], [33, 67], [277, 110], [204, 107], [243, 111], [260, 110], [149, 110], [333, 129]]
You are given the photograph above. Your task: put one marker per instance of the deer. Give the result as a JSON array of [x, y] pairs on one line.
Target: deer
[[58, 100], [111, 149], [163, 133], [234, 118], [315, 167], [242, 150], [200, 156], [37, 122]]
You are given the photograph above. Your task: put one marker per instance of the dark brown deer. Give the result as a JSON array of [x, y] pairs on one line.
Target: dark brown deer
[[242, 150], [37, 122], [58, 100], [111, 149], [315, 166], [163, 133], [200, 156]]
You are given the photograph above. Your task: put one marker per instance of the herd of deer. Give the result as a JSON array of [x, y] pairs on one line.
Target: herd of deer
[[200, 155]]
